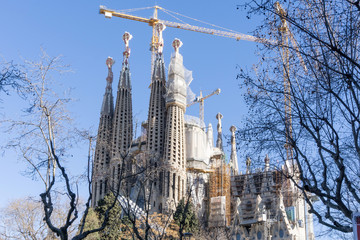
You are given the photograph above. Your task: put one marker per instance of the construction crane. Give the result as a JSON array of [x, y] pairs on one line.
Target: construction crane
[[200, 99], [284, 45], [154, 21]]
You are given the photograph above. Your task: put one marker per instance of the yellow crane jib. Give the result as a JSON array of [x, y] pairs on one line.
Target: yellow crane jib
[[109, 13], [152, 21]]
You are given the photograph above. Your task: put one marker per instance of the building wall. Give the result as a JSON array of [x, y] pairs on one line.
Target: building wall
[[262, 210]]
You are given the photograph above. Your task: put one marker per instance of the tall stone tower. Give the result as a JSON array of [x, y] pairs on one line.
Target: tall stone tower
[[174, 160], [122, 133], [156, 114], [103, 142], [156, 126], [123, 122]]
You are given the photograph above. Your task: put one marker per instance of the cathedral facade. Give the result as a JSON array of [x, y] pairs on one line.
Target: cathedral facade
[[175, 158]]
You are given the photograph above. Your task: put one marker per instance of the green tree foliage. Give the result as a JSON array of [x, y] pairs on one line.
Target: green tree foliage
[[92, 222], [185, 217], [113, 226]]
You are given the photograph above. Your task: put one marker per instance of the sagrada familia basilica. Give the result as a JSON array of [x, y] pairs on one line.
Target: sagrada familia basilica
[[175, 158]]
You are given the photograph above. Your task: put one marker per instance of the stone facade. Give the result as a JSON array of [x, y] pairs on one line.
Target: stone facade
[[268, 207]]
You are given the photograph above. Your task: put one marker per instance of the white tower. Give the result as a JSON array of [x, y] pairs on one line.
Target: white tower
[[174, 148]]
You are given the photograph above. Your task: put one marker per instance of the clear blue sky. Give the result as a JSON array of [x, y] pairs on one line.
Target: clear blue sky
[[85, 38]]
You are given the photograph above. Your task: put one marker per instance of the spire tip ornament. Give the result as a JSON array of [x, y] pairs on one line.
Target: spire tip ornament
[[219, 143], [160, 27], [233, 155], [248, 165], [267, 162], [177, 43], [109, 63], [126, 38]]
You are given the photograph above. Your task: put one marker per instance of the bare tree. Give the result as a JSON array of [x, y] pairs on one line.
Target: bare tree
[[323, 105], [11, 77], [24, 219], [44, 137], [143, 222]]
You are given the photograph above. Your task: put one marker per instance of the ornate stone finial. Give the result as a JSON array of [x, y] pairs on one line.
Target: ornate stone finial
[[219, 116], [267, 163], [126, 37], [248, 165], [109, 63], [160, 27], [233, 156], [248, 162], [176, 45]]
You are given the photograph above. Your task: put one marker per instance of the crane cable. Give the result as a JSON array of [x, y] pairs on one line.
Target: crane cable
[[213, 25], [133, 9], [171, 13]]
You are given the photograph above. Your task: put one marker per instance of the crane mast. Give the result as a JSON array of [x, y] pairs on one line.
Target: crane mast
[[284, 31], [284, 46]]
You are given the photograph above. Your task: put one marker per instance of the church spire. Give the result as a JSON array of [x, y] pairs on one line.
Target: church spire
[[233, 156], [107, 107], [103, 141], [123, 124], [248, 165], [267, 163], [156, 115]]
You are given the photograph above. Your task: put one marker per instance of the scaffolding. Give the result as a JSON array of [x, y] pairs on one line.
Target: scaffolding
[[220, 197]]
